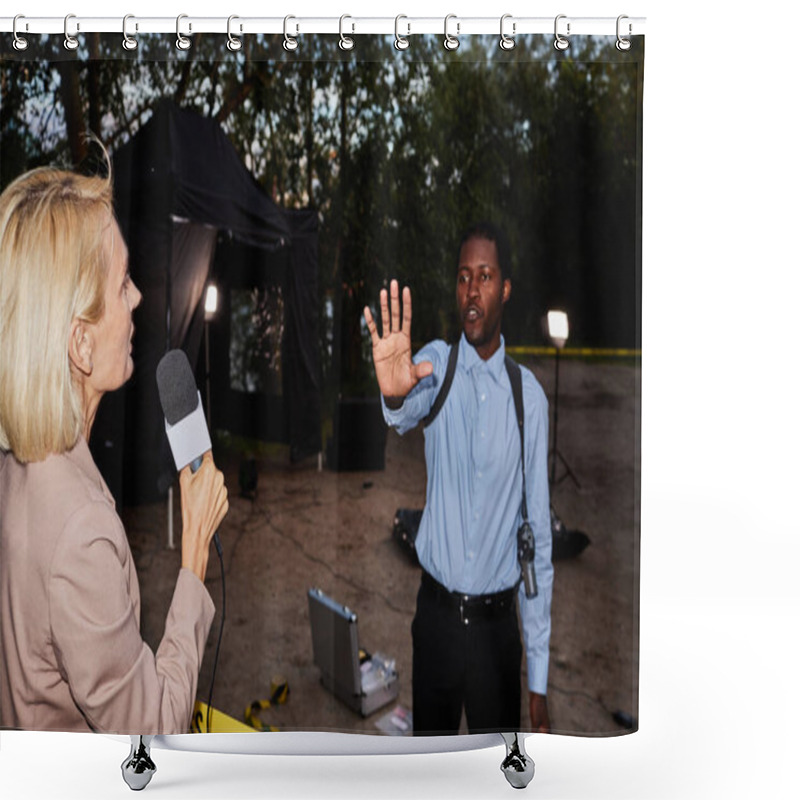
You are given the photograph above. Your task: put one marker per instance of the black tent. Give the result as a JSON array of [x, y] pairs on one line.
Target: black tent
[[190, 210]]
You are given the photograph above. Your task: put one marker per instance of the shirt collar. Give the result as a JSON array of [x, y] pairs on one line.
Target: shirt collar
[[469, 358]]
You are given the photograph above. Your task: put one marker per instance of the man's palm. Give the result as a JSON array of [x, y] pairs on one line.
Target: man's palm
[[397, 374]]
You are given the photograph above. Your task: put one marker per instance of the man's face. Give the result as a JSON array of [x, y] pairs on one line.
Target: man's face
[[481, 293]]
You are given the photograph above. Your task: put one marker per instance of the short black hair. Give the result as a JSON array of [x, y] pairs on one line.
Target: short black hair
[[492, 233]]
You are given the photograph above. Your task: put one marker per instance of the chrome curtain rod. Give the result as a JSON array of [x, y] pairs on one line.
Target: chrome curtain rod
[[186, 24]]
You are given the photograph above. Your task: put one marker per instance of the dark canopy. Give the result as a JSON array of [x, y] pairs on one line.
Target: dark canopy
[[189, 209]]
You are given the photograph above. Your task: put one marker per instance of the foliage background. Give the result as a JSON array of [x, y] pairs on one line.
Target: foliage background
[[398, 152]]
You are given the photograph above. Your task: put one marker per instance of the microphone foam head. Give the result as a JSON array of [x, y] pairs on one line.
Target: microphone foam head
[[177, 388]]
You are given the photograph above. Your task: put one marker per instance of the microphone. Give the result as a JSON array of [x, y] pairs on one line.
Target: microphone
[[185, 422]]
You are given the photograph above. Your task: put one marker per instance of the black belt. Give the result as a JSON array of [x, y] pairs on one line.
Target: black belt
[[470, 607]]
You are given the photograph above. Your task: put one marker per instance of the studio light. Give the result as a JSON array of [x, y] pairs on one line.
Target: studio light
[[210, 307], [557, 329], [211, 301]]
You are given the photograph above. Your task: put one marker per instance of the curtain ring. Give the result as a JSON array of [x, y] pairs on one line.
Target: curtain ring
[[128, 42], [400, 42], [70, 42], [234, 44], [507, 42], [289, 42], [182, 42], [451, 42], [561, 42], [345, 42], [623, 44], [20, 42]]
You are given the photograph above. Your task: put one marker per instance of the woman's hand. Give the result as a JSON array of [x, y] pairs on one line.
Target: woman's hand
[[397, 374], [204, 502]]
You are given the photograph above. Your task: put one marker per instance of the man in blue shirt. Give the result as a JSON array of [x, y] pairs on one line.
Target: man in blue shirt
[[467, 651]]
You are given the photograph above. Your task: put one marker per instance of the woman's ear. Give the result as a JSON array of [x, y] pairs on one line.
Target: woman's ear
[[80, 346]]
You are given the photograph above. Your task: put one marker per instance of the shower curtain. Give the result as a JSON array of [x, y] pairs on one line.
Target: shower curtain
[[355, 167]]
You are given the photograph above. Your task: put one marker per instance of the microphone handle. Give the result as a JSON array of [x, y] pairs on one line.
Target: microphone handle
[[195, 465]]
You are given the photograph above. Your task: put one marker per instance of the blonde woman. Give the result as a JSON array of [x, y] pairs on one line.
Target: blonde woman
[[71, 654]]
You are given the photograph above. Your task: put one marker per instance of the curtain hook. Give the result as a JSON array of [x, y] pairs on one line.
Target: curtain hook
[[128, 42], [561, 42], [345, 42], [70, 42], [400, 42], [20, 42], [507, 42], [451, 42], [233, 44], [289, 42], [182, 42], [623, 44]]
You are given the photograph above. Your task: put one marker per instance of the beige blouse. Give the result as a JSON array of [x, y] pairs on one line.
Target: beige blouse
[[71, 654]]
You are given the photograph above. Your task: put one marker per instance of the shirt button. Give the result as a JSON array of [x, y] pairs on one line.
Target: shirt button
[[483, 435], [483, 397], [480, 474]]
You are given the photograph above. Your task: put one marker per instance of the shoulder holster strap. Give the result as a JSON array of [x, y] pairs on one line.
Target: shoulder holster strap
[[445, 389], [515, 378]]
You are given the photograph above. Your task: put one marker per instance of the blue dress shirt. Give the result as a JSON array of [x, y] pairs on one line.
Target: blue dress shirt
[[467, 538]]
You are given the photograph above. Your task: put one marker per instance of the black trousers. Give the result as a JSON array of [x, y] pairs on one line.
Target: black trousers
[[475, 667]]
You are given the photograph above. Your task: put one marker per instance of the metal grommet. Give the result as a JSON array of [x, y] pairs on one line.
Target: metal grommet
[[128, 42], [233, 44], [20, 43], [507, 42], [623, 44], [345, 42], [561, 42], [70, 42], [289, 42], [451, 42], [182, 42], [400, 42]]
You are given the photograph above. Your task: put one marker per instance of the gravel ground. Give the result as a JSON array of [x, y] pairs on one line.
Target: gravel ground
[[307, 527]]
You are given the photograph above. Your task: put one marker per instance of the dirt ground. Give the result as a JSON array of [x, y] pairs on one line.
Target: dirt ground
[[310, 528]]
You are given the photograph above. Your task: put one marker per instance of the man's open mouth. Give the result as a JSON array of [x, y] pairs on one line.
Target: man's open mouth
[[471, 314]]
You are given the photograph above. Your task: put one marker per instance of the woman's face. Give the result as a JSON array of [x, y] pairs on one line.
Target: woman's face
[[112, 364]]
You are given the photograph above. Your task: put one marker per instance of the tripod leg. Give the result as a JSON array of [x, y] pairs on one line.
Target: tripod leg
[[138, 768], [518, 766], [569, 473]]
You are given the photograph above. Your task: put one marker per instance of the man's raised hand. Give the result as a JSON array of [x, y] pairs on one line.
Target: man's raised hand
[[397, 374]]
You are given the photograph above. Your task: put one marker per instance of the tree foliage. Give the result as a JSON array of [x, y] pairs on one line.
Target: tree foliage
[[398, 152]]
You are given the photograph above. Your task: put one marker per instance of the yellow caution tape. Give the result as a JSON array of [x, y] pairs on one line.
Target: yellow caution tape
[[279, 694], [580, 352], [220, 722]]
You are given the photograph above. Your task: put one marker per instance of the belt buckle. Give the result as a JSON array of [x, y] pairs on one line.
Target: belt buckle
[[462, 600]]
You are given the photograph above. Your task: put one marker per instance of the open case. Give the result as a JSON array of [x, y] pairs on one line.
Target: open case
[[298, 185]]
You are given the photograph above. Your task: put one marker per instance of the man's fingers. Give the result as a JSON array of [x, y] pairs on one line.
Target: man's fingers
[[423, 369], [407, 311], [371, 327], [385, 313], [395, 306]]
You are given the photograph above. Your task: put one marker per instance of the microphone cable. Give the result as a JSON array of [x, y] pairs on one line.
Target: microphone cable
[[218, 546]]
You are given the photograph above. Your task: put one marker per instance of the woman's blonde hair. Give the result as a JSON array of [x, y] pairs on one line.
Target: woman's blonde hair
[[52, 270]]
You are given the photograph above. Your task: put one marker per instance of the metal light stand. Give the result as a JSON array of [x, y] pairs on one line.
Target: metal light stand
[[209, 312], [208, 377], [555, 454]]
